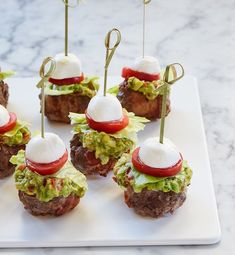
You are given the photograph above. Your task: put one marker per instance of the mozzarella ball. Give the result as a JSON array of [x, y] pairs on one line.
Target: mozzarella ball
[[157, 155], [147, 64], [4, 116], [45, 150], [67, 66], [105, 108]]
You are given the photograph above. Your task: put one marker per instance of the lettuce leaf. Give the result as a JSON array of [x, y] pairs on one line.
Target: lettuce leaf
[[19, 135], [105, 145], [65, 182], [88, 87], [125, 173]]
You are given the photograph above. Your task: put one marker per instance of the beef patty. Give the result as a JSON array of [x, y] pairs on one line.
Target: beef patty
[[153, 203], [56, 207], [6, 152], [57, 108], [4, 93], [134, 101]]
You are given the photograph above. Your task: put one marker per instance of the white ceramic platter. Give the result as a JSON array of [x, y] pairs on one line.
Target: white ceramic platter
[[102, 218]]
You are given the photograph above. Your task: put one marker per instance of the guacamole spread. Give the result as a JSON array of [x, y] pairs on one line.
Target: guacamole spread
[[66, 181], [19, 135], [151, 90], [105, 145]]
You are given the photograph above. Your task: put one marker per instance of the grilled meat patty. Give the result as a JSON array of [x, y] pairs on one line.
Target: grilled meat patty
[[4, 93], [57, 108], [6, 152], [56, 207], [134, 101], [153, 203]]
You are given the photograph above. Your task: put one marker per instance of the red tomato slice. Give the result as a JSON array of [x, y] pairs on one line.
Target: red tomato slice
[[67, 81], [49, 168], [128, 72], [10, 125], [109, 127], [158, 172]]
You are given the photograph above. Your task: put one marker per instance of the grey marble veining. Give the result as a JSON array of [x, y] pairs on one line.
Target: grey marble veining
[[199, 34]]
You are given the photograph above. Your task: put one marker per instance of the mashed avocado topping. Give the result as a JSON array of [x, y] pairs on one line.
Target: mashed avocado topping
[[65, 182], [88, 87], [19, 135], [6, 74], [126, 174], [105, 145], [149, 89]]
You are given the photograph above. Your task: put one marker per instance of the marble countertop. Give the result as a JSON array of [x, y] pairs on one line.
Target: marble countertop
[[199, 34]]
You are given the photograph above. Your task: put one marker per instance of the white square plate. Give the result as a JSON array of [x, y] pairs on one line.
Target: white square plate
[[102, 218]]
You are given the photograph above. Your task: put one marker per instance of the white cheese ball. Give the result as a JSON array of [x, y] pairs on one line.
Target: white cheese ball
[[148, 64], [157, 155], [45, 150], [67, 66], [4, 116], [105, 108]]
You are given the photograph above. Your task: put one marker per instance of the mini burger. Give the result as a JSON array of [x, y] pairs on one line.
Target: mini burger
[[47, 182], [139, 92], [68, 89], [155, 178], [102, 135], [14, 134]]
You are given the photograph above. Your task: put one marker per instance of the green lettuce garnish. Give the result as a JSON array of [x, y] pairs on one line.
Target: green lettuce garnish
[[65, 182], [6, 74], [88, 87], [19, 135], [105, 145], [126, 174]]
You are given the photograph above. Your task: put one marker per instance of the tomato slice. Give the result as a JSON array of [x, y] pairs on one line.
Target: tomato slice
[[67, 81], [48, 168], [158, 172], [10, 125], [128, 72], [109, 127]]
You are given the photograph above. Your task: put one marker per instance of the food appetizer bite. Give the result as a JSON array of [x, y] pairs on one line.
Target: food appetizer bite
[[155, 177], [139, 92], [102, 135], [105, 131], [4, 88], [14, 134], [47, 182], [68, 90]]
